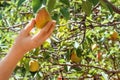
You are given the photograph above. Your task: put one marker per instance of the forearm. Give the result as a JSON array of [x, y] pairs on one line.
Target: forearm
[[8, 64]]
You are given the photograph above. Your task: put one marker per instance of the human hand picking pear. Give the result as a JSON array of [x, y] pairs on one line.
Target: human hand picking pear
[[24, 43]]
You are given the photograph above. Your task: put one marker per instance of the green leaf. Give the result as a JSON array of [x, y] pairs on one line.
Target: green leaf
[[4, 4], [105, 76], [79, 52], [65, 13], [68, 54], [44, 2], [66, 68], [36, 4], [61, 60], [94, 2], [46, 55], [66, 2], [50, 5], [110, 8], [36, 51], [77, 68], [87, 7], [0, 16], [20, 3], [46, 44], [103, 3], [107, 6], [56, 17]]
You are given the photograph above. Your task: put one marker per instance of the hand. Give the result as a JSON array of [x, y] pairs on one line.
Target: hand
[[25, 42]]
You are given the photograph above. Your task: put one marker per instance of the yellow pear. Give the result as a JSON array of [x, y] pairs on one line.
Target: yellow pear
[[114, 35], [33, 66], [42, 18], [74, 57]]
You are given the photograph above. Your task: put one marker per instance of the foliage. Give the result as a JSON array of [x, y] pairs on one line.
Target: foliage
[[80, 24]]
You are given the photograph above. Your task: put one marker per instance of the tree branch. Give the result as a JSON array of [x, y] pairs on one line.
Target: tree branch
[[105, 70], [14, 26]]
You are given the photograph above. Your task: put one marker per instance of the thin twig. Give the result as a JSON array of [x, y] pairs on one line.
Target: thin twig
[[83, 65]]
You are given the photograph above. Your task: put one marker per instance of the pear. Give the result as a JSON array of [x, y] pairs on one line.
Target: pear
[[74, 57], [42, 18], [33, 65]]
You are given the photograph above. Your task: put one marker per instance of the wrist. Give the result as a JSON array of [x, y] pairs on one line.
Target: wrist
[[18, 49]]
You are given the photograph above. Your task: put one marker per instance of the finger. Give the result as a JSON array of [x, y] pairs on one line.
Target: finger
[[52, 27], [29, 26], [46, 27], [44, 32], [49, 32]]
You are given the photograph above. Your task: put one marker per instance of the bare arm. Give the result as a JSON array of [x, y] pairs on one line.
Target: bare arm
[[23, 43]]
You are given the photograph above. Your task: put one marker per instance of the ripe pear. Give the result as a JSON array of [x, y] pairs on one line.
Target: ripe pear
[[42, 18], [33, 66], [114, 36], [74, 57]]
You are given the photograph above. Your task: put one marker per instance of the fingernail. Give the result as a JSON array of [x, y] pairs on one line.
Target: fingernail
[[53, 21]]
